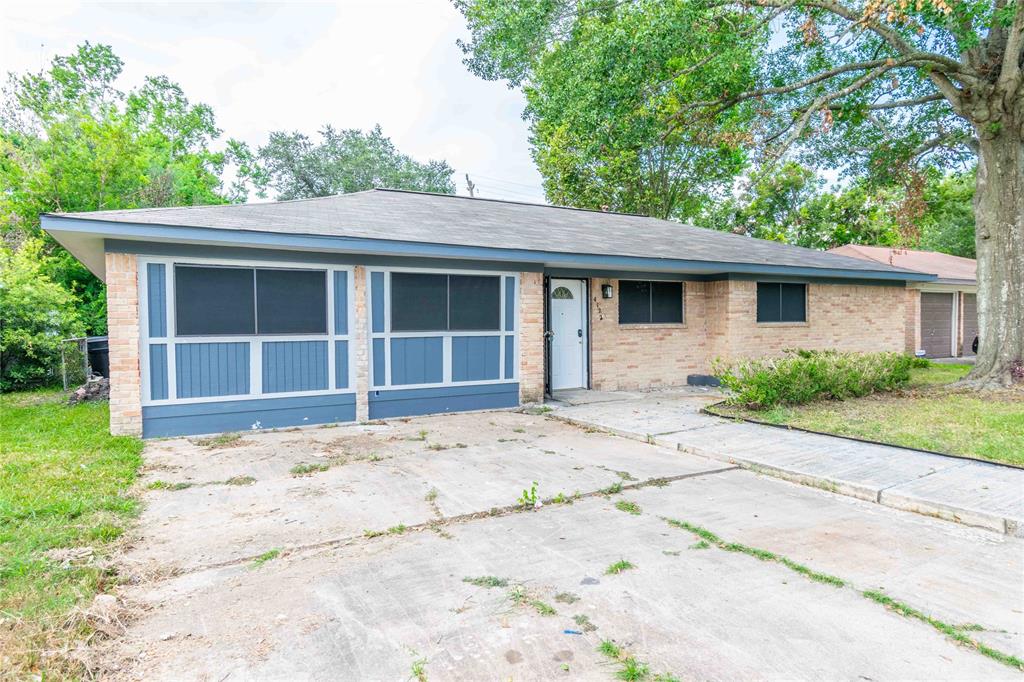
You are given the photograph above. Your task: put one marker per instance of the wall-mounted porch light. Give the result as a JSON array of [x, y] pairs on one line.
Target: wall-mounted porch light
[[606, 291]]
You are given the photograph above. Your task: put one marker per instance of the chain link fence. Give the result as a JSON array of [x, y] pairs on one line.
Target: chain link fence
[[74, 361]]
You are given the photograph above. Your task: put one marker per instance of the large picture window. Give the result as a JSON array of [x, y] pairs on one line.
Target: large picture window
[[229, 301], [422, 302], [781, 302], [650, 302]]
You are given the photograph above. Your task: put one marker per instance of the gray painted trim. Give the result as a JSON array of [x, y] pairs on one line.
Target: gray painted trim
[[242, 415], [587, 273], [416, 401], [115, 229], [811, 280], [181, 250]]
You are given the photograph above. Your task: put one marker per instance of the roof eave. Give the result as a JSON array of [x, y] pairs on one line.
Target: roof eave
[[84, 238]]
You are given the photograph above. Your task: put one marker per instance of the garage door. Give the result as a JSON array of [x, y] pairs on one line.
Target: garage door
[[970, 322], [936, 324]]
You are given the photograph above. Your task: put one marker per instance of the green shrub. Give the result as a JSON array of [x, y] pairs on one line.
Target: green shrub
[[803, 375]]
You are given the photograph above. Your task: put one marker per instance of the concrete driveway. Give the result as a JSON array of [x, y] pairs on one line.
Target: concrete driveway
[[403, 554]]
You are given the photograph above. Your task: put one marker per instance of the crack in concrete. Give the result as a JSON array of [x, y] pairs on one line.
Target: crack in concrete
[[493, 512]]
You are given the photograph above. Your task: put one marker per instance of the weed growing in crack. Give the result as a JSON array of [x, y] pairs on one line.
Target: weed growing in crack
[[583, 622], [618, 567], [628, 507], [417, 671], [431, 495], [543, 608], [217, 441], [630, 669], [421, 436], [567, 598], [304, 469], [703, 544], [487, 581], [240, 480], [613, 489], [269, 555], [164, 485], [518, 429], [529, 497], [397, 530], [373, 533]]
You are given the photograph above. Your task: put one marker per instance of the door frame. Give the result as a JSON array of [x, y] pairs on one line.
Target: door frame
[[547, 332]]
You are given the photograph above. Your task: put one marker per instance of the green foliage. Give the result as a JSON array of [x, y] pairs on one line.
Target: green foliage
[[297, 167], [35, 315], [70, 140], [600, 90], [529, 497], [803, 376], [948, 225]]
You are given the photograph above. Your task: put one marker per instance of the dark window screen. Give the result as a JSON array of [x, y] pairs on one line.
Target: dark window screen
[[794, 303], [634, 302], [291, 302], [213, 301], [474, 302], [419, 302], [781, 302], [667, 302]]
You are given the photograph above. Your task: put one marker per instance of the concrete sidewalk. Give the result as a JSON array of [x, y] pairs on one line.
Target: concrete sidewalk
[[969, 492]]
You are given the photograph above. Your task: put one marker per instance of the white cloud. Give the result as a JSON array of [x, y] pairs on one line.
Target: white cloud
[[299, 66]]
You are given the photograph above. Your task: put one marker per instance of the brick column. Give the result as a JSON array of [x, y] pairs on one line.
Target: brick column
[[531, 337], [123, 335], [361, 339], [912, 329]]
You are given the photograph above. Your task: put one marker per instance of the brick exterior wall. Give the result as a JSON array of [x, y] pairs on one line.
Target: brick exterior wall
[[531, 337], [637, 356], [123, 337], [721, 322], [361, 338]]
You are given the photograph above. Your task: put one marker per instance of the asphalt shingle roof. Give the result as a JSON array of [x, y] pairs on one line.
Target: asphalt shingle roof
[[461, 221]]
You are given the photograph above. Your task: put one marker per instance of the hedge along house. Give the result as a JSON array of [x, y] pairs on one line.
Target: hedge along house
[[389, 303]]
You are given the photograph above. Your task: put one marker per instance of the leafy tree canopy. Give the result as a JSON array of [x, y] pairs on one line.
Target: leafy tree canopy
[[341, 161], [70, 140]]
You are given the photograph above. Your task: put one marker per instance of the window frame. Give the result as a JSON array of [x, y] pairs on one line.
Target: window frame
[[170, 339], [506, 336], [780, 321], [650, 303]]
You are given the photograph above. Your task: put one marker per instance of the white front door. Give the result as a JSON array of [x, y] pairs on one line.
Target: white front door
[[568, 334]]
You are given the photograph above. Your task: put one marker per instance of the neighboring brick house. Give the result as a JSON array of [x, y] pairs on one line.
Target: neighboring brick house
[[941, 316], [388, 303]]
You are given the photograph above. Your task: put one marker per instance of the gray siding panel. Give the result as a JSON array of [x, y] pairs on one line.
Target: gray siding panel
[[475, 358], [510, 304], [158, 372], [290, 366], [377, 301], [417, 360], [970, 323], [204, 370], [160, 421], [379, 366], [156, 287], [341, 303], [341, 364], [936, 324], [510, 357], [410, 402]]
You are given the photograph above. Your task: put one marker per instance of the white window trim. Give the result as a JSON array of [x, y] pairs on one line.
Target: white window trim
[[255, 341], [505, 336]]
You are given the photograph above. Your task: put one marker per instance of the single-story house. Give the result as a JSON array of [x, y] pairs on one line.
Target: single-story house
[[942, 314], [391, 303]]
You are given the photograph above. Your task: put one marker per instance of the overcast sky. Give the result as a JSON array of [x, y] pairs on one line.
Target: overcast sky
[[299, 66]]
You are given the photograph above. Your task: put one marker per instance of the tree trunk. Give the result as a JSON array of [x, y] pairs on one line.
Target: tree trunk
[[999, 238]]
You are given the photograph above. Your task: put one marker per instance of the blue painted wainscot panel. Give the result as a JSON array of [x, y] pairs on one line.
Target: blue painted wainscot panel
[[409, 402], [158, 372], [204, 370], [161, 421], [510, 357], [341, 303], [377, 301], [417, 360], [156, 288], [379, 363], [341, 364], [294, 366], [476, 358]]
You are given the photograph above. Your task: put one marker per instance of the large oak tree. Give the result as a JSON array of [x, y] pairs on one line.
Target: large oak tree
[[877, 88]]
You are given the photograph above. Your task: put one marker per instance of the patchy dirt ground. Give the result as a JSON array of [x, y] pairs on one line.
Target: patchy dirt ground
[[397, 551]]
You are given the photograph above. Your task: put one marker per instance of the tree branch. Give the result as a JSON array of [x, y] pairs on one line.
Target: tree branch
[[900, 103]]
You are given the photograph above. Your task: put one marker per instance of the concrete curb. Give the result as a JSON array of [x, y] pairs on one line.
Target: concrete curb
[[888, 497]]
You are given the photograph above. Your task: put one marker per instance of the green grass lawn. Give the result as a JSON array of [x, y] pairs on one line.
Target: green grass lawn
[[63, 484], [929, 415]]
